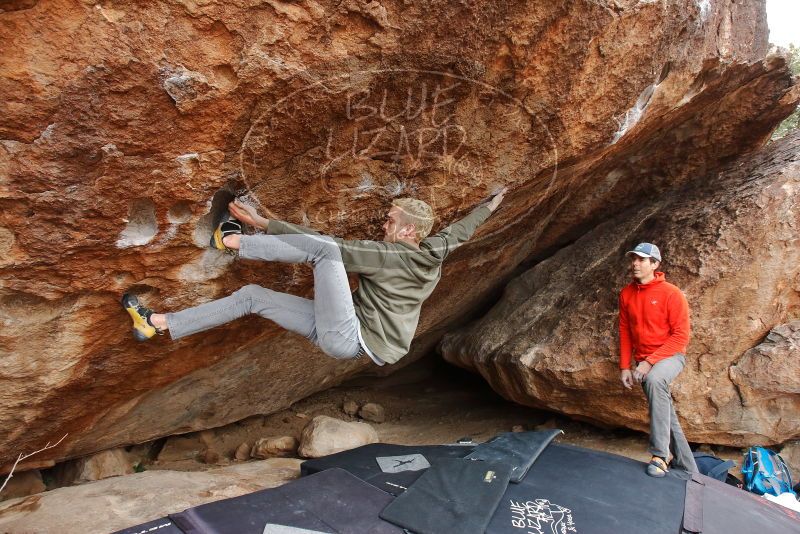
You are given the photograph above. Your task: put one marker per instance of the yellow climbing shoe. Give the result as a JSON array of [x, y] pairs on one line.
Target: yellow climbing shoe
[[142, 329]]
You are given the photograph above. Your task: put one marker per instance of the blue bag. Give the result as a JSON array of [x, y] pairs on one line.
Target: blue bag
[[765, 471]]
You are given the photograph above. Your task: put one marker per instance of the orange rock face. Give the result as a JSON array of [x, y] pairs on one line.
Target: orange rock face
[[125, 127]]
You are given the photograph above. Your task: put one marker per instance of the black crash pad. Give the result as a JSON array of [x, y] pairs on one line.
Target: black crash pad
[[730, 510], [454, 495], [332, 502], [516, 449], [567, 490]]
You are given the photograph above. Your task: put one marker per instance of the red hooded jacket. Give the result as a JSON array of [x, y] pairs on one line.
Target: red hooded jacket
[[653, 321]]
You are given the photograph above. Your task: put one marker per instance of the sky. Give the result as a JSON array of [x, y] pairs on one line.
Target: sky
[[783, 18]]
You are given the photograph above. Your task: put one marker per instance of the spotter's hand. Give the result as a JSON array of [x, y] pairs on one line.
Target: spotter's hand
[[627, 378], [640, 373]]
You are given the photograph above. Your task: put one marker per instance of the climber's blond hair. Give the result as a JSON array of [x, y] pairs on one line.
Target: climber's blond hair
[[418, 213]]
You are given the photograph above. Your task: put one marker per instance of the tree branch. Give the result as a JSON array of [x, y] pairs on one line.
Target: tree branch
[[25, 456]]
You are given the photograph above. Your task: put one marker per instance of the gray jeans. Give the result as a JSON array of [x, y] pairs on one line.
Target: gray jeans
[[329, 321], [666, 434]]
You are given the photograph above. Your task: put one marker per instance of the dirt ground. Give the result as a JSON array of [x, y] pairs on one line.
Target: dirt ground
[[428, 402]]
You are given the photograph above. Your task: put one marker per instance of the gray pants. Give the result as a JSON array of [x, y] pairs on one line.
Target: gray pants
[[329, 321], [666, 434]]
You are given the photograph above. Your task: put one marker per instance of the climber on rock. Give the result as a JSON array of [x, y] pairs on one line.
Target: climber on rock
[[654, 329], [378, 320]]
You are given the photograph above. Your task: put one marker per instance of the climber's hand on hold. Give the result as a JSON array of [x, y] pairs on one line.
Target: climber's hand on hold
[[497, 199], [247, 214]]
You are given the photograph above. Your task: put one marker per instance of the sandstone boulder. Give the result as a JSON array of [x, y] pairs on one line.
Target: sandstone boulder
[[372, 412], [325, 435], [242, 452], [98, 466], [187, 446], [767, 378], [276, 446], [118, 155], [791, 455], [350, 407], [22, 484], [94, 508], [210, 457], [730, 242]]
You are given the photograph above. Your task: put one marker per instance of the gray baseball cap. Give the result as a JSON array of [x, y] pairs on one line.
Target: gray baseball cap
[[646, 250]]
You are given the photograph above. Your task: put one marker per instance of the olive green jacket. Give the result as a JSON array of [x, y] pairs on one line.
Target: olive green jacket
[[394, 280]]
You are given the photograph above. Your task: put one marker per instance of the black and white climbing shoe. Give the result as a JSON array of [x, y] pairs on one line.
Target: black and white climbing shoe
[[228, 226]]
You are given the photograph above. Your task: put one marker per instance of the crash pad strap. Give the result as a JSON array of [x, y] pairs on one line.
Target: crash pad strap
[[693, 505]]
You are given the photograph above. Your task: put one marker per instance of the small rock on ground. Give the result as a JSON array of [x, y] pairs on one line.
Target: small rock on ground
[[210, 457], [242, 452], [350, 407], [373, 412], [325, 435], [274, 447], [105, 464]]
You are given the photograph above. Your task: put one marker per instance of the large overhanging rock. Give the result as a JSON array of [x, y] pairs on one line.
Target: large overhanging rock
[[730, 242], [125, 123]]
